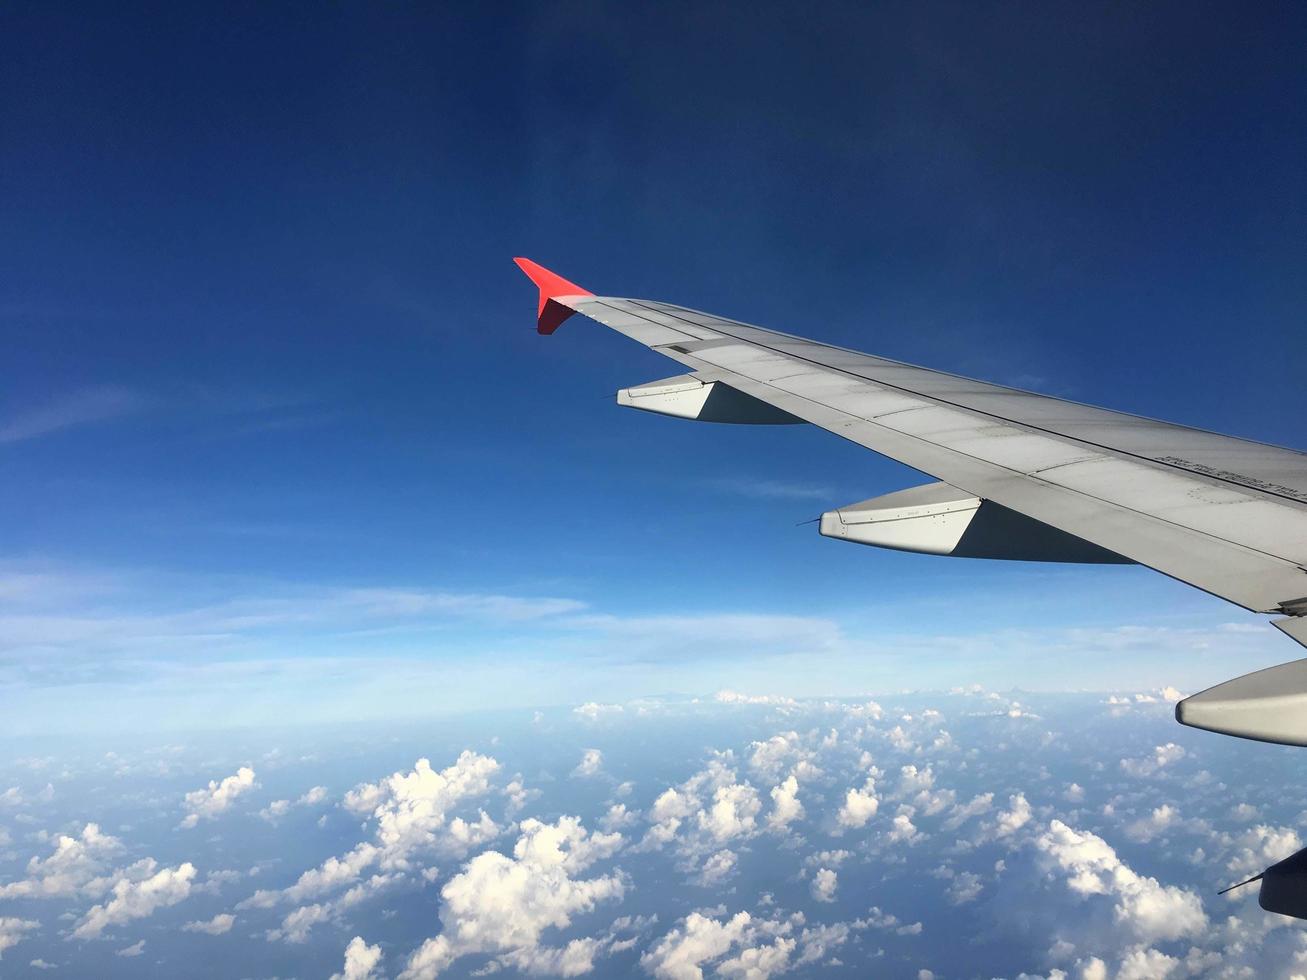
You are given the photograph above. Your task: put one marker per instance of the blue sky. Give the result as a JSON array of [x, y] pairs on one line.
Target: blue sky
[[347, 625], [278, 441]]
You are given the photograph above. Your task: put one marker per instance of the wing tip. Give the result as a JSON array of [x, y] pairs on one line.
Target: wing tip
[[549, 313]]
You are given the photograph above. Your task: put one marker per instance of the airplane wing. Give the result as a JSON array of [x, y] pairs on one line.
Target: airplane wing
[[1044, 476]]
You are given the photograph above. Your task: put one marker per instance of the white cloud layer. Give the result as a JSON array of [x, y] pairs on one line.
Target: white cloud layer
[[504, 906], [219, 925], [755, 846], [361, 961], [217, 797], [410, 814], [12, 930], [137, 897]]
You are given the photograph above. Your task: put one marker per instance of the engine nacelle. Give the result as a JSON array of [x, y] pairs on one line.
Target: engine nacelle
[[939, 519], [1268, 705], [689, 396]]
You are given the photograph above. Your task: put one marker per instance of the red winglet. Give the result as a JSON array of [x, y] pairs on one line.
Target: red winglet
[[550, 314]]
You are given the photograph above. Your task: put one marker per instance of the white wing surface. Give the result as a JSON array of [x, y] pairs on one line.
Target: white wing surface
[[1225, 515]]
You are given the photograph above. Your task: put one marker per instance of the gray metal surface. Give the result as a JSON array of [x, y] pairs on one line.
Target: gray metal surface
[[940, 519], [1226, 515], [704, 398], [1267, 705], [1284, 886]]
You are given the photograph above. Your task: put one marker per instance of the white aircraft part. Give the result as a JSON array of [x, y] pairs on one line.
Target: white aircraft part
[[1294, 626], [682, 396], [939, 519], [930, 519], [1226, 515], [1223, 514], [1267, 705], [704, 399]]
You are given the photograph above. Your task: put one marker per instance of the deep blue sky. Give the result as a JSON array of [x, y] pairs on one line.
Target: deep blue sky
[[263, 337]]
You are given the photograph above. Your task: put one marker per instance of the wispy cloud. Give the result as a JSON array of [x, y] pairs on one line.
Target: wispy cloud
[[243, 410], [85, 406], [721, 635], [32, 586], [46, 609], [770, 489], [73, 641], [413, 602], [229, 625]]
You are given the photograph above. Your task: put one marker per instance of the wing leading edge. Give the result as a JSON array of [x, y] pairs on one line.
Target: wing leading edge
[[1225, 515]]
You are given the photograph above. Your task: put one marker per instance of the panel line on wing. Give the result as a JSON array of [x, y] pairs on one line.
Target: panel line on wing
[[1210, 473], [1256, 581]]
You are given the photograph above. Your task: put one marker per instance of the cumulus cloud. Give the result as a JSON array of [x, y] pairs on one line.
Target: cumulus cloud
[[781, 752], [980, 804], [411, 817], [824, 883], [593, 710], [965, 887], [503, 906], [743, 946], [717, 868], [876, 918], [668, 813], [1140, 906], [859, 806], [995, 830], [414, 806], [709, 809], [735, 697], [618, 817], [913, 782], [74, 867], [361, 961], [829, 859], [592, 761], [680, 954], [1256, 848], [1163, 755], [207, 803], [136, 898], [298, 923], [15, 797], [902, 829], [277, 809], [517, 795], [1016, 816], [732, 813], [786, 807], [1244, 812], [79, 867], [219, 925], [1160, 820], [12, 930], [869, 710]]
